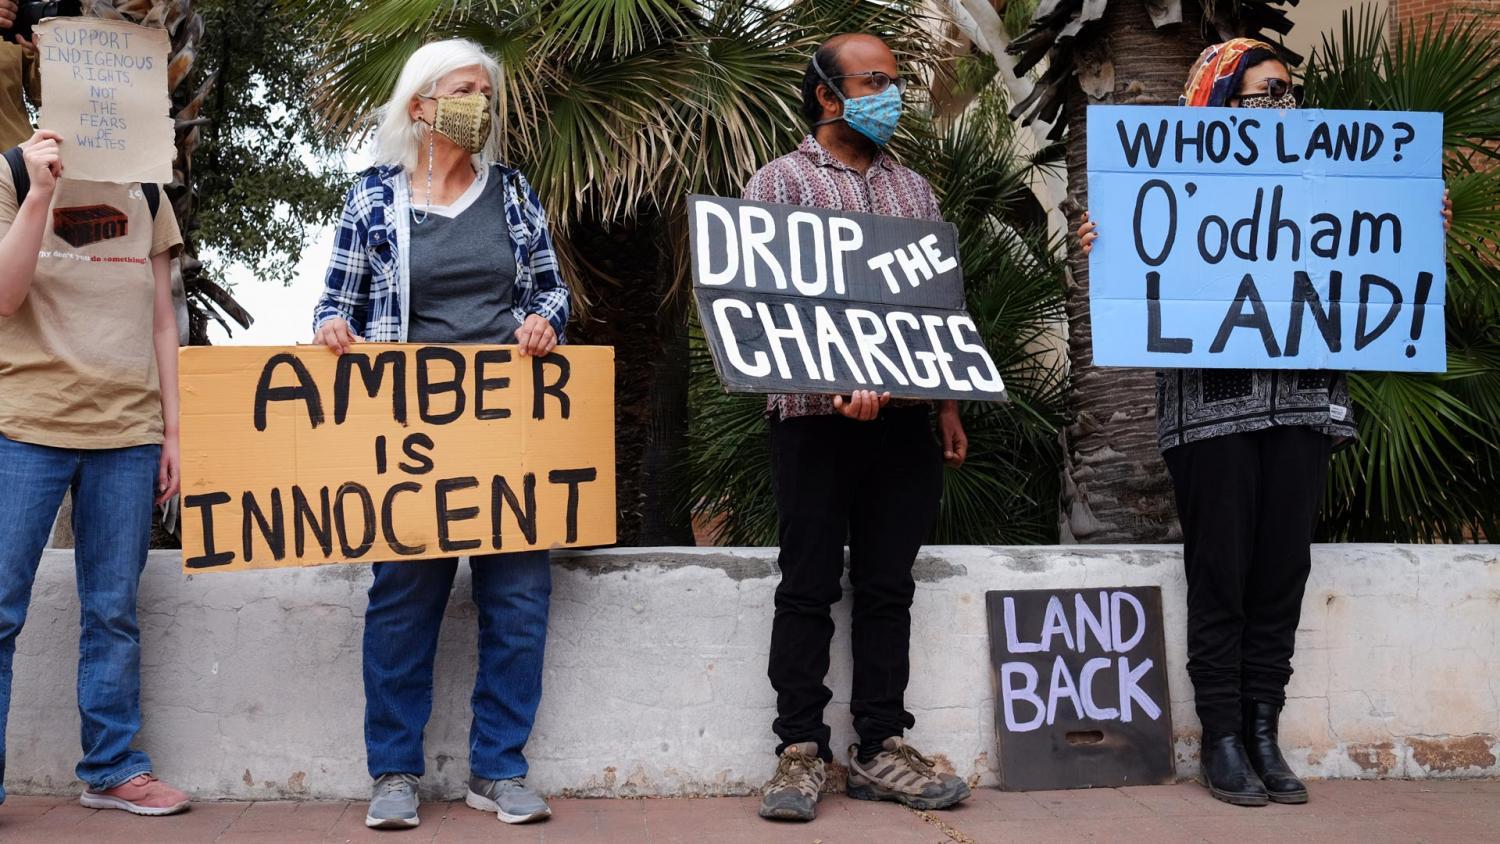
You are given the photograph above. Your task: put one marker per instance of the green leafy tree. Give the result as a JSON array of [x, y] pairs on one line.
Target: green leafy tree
[[265, 177]]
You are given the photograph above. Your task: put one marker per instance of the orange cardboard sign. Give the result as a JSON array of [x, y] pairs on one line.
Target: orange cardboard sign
[[294, 456]]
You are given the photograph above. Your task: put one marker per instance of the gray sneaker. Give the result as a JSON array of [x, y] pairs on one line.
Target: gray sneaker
[[792, 794], [510, 799], [900, 774], [393, 805]]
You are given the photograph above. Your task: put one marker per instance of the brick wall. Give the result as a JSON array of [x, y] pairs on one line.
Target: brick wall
[[1408, 12]]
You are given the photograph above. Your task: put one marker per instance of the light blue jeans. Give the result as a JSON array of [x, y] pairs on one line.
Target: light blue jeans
[[113, 492], [407, 600]]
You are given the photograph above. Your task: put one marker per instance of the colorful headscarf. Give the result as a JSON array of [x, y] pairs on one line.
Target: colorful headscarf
[[1216, 76]]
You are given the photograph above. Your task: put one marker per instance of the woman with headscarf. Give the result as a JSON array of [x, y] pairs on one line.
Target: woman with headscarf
[[442, 243], [1248, 452]]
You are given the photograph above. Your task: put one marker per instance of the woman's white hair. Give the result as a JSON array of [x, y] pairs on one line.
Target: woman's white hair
[[398, 136]]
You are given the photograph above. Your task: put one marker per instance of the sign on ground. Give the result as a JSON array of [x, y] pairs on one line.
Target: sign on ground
[[1080, 688]]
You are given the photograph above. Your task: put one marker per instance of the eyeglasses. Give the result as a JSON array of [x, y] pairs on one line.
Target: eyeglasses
[[880, 81], [1275, 88]]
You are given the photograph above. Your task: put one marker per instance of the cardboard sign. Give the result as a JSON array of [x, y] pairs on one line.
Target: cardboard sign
[[805, 300], [1251, 238], [104, 89], [295, 456], [1080, 688]]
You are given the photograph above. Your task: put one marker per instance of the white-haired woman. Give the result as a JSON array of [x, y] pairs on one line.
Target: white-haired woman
[[441, 243]]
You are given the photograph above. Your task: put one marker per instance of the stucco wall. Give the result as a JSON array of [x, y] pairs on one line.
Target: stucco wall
[[655, 676]]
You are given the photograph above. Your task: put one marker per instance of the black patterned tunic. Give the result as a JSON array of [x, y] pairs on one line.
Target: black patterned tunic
[[1197, 404]]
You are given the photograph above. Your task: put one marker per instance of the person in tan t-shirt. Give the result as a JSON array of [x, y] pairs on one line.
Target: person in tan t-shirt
[[19, 81], [88, 402]]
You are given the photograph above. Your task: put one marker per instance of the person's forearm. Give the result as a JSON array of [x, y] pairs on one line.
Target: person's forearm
[[166, 368], [947, 406], [18, 252], [165, 336]]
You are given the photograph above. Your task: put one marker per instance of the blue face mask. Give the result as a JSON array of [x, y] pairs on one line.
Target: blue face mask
[[874, 116]]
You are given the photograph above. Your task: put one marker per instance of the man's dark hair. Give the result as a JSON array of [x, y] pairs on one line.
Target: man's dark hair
[[827, 59]]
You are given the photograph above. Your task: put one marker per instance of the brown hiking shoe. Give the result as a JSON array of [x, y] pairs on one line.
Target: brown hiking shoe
[[902, 774], [792, 793]]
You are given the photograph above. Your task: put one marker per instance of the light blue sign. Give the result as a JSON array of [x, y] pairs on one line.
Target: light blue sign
[[1248, 238]]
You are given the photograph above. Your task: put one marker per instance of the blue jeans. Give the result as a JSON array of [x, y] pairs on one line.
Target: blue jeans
[[113, 492], [407, 600]]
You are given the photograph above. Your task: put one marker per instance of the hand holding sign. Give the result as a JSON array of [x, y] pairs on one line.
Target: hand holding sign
[[43, 159], [862, 405], [1267, 240]]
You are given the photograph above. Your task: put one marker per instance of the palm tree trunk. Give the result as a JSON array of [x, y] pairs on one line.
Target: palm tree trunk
[[1115, 486]]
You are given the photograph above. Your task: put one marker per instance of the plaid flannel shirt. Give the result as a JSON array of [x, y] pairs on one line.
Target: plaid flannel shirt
[[367, 279]]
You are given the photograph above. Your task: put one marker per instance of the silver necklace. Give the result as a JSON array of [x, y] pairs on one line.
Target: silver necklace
[[422, 219]]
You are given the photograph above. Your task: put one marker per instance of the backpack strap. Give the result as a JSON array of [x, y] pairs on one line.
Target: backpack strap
[[22, 180], [18, 175], [153, 198]]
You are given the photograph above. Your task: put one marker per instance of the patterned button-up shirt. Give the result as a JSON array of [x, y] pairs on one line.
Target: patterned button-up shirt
[[368, 279], [813, 176]]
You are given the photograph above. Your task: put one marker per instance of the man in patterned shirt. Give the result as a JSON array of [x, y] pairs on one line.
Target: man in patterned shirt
[[861, 467]]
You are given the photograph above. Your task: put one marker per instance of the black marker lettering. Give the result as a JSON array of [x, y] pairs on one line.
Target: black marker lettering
[[371, 376], [303, 520], [1330, 322], [427, 387], [305, 390], [447, 515], [388, 519], [572, 477], [272, 530], [500, 490], [1154, 341], [417, 448], [483, 385], [367, 510], [1237, 318], [1140, 207], [205, 504], [541, 388]]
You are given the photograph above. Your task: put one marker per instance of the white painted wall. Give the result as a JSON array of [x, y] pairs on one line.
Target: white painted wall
[[655, 677]]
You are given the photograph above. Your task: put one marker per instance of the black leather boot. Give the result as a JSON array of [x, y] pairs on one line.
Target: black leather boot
[[1227, 771], [1261, 720]]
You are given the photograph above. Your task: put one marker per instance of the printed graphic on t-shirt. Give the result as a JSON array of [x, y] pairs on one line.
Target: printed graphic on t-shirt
[[87, 224]]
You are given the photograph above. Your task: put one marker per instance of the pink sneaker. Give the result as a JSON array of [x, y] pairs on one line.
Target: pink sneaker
[[142, 795]]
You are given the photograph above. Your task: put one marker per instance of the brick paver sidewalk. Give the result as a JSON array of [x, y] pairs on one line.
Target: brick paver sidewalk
[[1391, 811]]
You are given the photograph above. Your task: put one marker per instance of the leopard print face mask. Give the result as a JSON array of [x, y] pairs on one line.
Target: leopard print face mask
[[1285, 101]]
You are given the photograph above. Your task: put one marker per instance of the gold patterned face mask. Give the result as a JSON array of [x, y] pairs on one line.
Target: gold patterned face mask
[[463, 119]]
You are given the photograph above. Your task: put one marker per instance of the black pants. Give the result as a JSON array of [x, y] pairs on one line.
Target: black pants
[[1248, 504], [877, 483]]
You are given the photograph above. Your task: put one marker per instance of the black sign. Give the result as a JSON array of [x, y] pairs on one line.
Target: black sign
[[806, 300], [1080, 688]]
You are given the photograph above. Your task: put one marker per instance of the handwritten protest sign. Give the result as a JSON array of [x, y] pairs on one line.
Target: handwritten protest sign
[[1080, 688], [294, 456], [104, 89], [1267, 239], [804, 300]]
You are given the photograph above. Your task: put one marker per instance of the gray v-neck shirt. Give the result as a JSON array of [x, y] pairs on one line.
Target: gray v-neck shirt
[[463, 274]]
